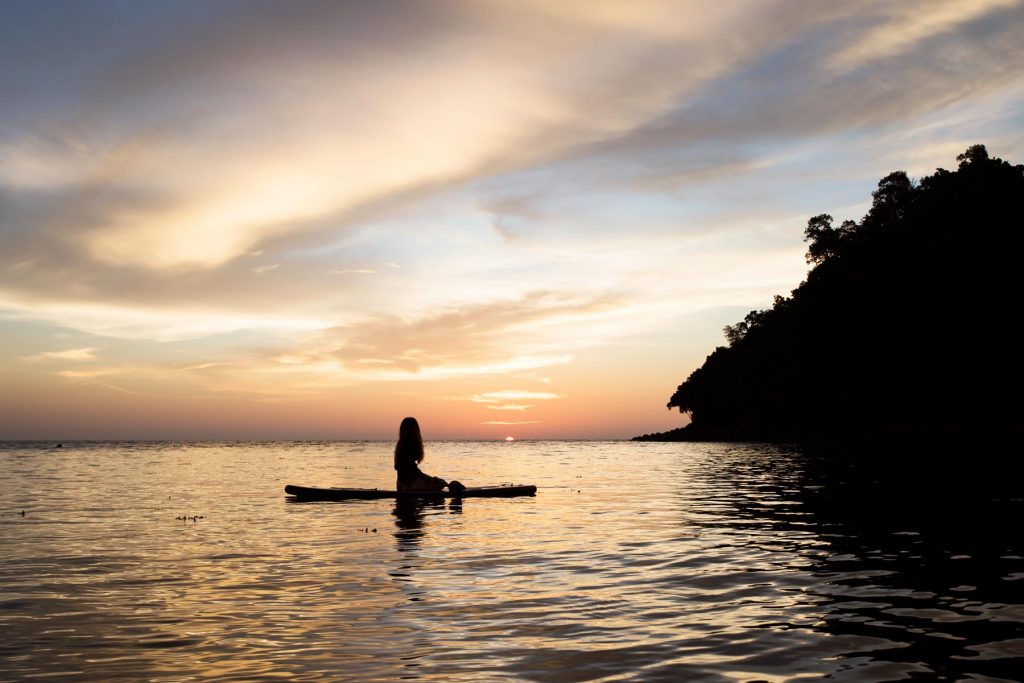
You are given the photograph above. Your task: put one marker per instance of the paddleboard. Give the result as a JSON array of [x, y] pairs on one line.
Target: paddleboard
[[316, 493]]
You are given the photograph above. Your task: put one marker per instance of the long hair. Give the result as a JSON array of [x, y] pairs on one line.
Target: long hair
[[410, 442]]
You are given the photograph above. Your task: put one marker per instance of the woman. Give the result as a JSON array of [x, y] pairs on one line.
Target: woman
[[408, 456]]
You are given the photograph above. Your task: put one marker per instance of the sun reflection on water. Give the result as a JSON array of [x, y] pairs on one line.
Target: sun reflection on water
[[683, 561]]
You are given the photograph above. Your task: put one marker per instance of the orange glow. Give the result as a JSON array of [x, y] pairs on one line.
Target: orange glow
[[537, 221]]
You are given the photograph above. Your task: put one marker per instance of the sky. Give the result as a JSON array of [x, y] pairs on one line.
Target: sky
[[260, 220]]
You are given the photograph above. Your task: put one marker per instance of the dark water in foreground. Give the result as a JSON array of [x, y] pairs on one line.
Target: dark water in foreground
[[674, 562]]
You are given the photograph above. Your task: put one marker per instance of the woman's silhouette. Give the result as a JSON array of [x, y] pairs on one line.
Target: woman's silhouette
[[408, 456]]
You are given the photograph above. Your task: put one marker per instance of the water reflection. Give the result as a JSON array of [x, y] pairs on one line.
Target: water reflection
[[921, 558], [409, 523], [410, 518], [914, 568], [703, 562]]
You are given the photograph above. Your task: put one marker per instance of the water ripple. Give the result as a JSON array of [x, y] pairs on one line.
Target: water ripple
[[708, 563]]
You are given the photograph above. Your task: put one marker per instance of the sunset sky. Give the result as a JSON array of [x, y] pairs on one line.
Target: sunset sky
[[507, 218]]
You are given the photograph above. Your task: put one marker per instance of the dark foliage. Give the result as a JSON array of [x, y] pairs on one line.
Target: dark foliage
[[901, 329]]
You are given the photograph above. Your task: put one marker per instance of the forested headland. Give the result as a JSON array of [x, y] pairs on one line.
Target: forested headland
[[903, 328]]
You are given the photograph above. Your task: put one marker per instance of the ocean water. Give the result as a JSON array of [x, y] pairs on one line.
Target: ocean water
[[635, 561]]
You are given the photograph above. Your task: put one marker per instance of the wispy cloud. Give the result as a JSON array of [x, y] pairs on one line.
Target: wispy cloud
[[513, 395], [486, 194], [504, 400], [82, 354], [89, 374], [156, 202], [903, 25], [195, 193], [485, 338], [155, 323]]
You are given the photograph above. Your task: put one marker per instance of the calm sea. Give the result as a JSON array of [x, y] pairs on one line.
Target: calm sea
[[651, 562]]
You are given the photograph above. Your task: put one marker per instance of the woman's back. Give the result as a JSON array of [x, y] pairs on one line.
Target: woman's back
[[408, 456]]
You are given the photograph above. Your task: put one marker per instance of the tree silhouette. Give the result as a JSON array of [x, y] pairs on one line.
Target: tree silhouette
[[899, 330]]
